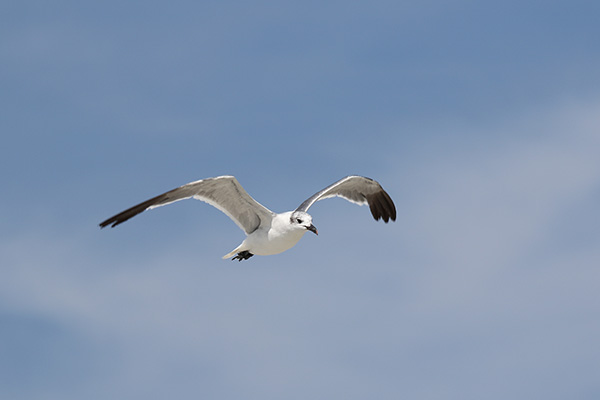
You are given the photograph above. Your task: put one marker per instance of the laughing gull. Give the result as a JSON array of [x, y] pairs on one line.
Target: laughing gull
[[267, 232]]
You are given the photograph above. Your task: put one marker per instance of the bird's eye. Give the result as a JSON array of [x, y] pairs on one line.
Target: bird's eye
[[299, 221]]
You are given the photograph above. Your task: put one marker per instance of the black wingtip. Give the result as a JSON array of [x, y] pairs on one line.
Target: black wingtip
[[122, 217], [382, 206], [133, 211], [108, 222]]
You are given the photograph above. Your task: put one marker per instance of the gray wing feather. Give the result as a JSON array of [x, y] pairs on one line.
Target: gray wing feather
[[359, 190], [223, 192]]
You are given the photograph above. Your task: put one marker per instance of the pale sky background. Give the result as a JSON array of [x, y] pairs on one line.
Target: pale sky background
[[480, 118]]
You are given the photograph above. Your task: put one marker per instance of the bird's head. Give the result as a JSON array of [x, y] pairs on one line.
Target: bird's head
[[303, 220]]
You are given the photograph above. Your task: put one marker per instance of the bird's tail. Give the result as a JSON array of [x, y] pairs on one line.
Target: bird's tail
[[233, 252]]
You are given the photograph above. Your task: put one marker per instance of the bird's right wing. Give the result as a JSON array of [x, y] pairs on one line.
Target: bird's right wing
[[222, 192]]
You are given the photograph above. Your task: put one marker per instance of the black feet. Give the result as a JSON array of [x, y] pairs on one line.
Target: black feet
[[242, 255]]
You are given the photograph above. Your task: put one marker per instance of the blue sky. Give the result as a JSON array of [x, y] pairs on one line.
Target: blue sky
[[481, 119]]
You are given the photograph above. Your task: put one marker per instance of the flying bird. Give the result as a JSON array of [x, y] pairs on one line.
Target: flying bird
[[267, 232]]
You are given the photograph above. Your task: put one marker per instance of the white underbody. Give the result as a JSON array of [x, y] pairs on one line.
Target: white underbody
[[273, 239]]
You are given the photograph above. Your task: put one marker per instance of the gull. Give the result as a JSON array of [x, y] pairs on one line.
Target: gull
[[267, 232]]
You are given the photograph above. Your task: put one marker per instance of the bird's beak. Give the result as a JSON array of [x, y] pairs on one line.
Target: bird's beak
[[313, 229]]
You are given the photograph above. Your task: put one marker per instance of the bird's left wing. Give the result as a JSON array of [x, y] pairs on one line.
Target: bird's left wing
[[359, 190], [222, 192]]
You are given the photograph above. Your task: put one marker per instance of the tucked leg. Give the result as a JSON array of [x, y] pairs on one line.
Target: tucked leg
[[242, 255]]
